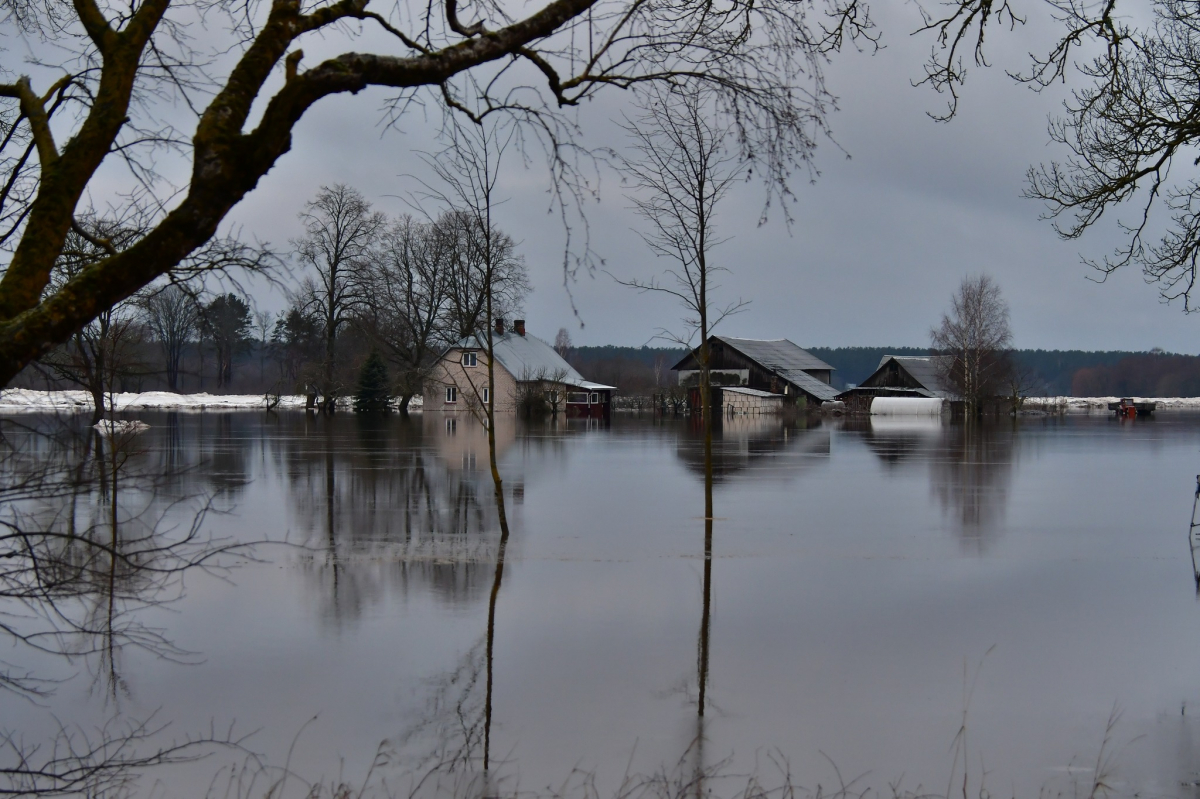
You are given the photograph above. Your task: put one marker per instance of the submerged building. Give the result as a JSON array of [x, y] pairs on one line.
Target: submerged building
[[527, 370], [913, 376], [758, 375]]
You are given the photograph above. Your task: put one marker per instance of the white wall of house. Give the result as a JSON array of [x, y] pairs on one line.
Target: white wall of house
[[469, 383]]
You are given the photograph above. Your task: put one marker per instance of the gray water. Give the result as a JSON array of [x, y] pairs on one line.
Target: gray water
[[872, 585]]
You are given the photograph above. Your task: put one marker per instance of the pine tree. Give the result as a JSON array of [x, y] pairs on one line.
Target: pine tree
[[372, 393]]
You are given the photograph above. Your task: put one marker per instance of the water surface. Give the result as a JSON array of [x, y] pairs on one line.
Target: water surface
[[871, 581]]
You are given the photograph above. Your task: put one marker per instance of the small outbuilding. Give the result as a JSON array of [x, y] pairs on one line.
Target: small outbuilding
[[903, 376]]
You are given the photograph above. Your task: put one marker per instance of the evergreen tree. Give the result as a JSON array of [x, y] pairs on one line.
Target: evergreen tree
[[372, 393]]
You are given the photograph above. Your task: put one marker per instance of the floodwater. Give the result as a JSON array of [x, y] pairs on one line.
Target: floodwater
[[885, 599]]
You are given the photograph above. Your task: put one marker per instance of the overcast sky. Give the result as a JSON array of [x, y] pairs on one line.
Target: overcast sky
[[880, 240]]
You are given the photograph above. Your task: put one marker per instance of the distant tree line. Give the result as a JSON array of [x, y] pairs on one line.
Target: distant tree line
[[1057, 372], [381, 299]]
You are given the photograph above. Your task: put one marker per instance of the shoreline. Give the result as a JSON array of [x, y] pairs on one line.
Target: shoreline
[[18, 400], [26, 400]]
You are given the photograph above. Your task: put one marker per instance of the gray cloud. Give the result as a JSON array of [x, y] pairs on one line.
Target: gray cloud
[[879, 243]]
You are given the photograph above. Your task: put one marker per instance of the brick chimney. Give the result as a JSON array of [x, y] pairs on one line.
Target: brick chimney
[[500, 326], [519, 326]]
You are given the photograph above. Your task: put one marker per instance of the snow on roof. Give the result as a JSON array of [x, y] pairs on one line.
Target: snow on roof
[[529, 358]]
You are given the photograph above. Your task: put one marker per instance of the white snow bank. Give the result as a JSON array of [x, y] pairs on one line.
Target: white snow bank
[[120, 427], [23, 399], [1090, 404]]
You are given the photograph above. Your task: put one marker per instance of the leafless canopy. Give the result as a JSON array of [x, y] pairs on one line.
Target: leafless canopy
[[134, 85], [1126, 130], [976, 336], [683, 165]]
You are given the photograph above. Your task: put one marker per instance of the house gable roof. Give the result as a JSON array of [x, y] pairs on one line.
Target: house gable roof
[[782, 357], [529, 358], [923, 369]]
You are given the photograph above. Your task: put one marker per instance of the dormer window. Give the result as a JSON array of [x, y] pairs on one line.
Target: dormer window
[[470, 359]]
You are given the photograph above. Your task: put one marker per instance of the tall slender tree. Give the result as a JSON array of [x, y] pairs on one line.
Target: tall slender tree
[[683, 165], [340, 232], [974, 336], [404, 310]]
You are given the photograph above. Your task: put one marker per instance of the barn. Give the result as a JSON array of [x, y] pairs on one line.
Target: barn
[[768, 366]]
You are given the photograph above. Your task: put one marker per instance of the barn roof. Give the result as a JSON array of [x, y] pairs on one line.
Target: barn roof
[[923, 369], [776, 354], [785, 359], [529, 358]]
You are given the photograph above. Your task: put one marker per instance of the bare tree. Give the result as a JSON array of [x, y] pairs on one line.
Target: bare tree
[[975, 335], [262, 325], [484, 268], [683, 167], [172, 316], [110, 72], [104, 349], [562, 343], [341, 230], [404, 307]]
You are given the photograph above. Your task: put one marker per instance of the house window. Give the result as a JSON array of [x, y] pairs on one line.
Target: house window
[[470, 359], [577, 398], [487, 395], [552, 397], [451, 394], [595, 398]]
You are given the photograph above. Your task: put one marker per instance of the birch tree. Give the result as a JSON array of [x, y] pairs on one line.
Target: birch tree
[[975, 336]]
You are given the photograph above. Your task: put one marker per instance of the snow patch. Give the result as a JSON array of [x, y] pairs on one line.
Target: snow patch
[[29, 400], [120, 427], [1091, 404]]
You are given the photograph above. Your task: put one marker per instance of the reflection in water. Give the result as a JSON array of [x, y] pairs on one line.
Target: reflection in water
[[970, 475], [1194, 536], [822, 627], [896, 439], [94, 531], [395, 499], [970, 466], [765, 444]]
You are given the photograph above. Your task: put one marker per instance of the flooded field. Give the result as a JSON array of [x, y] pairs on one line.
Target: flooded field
[[334, 595]]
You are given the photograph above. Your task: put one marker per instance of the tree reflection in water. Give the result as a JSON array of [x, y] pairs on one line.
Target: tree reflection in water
[[405, 503], [85, 548], [970, 475], [970, 466]]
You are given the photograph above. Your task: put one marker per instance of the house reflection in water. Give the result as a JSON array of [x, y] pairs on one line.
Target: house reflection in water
[[766, 444], [391, 506], [461, 441]]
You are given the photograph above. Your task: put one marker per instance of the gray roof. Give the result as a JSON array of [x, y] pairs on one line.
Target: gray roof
[[786, 360], [923, 369], [529, 358], [776, 354], [818, 388]]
